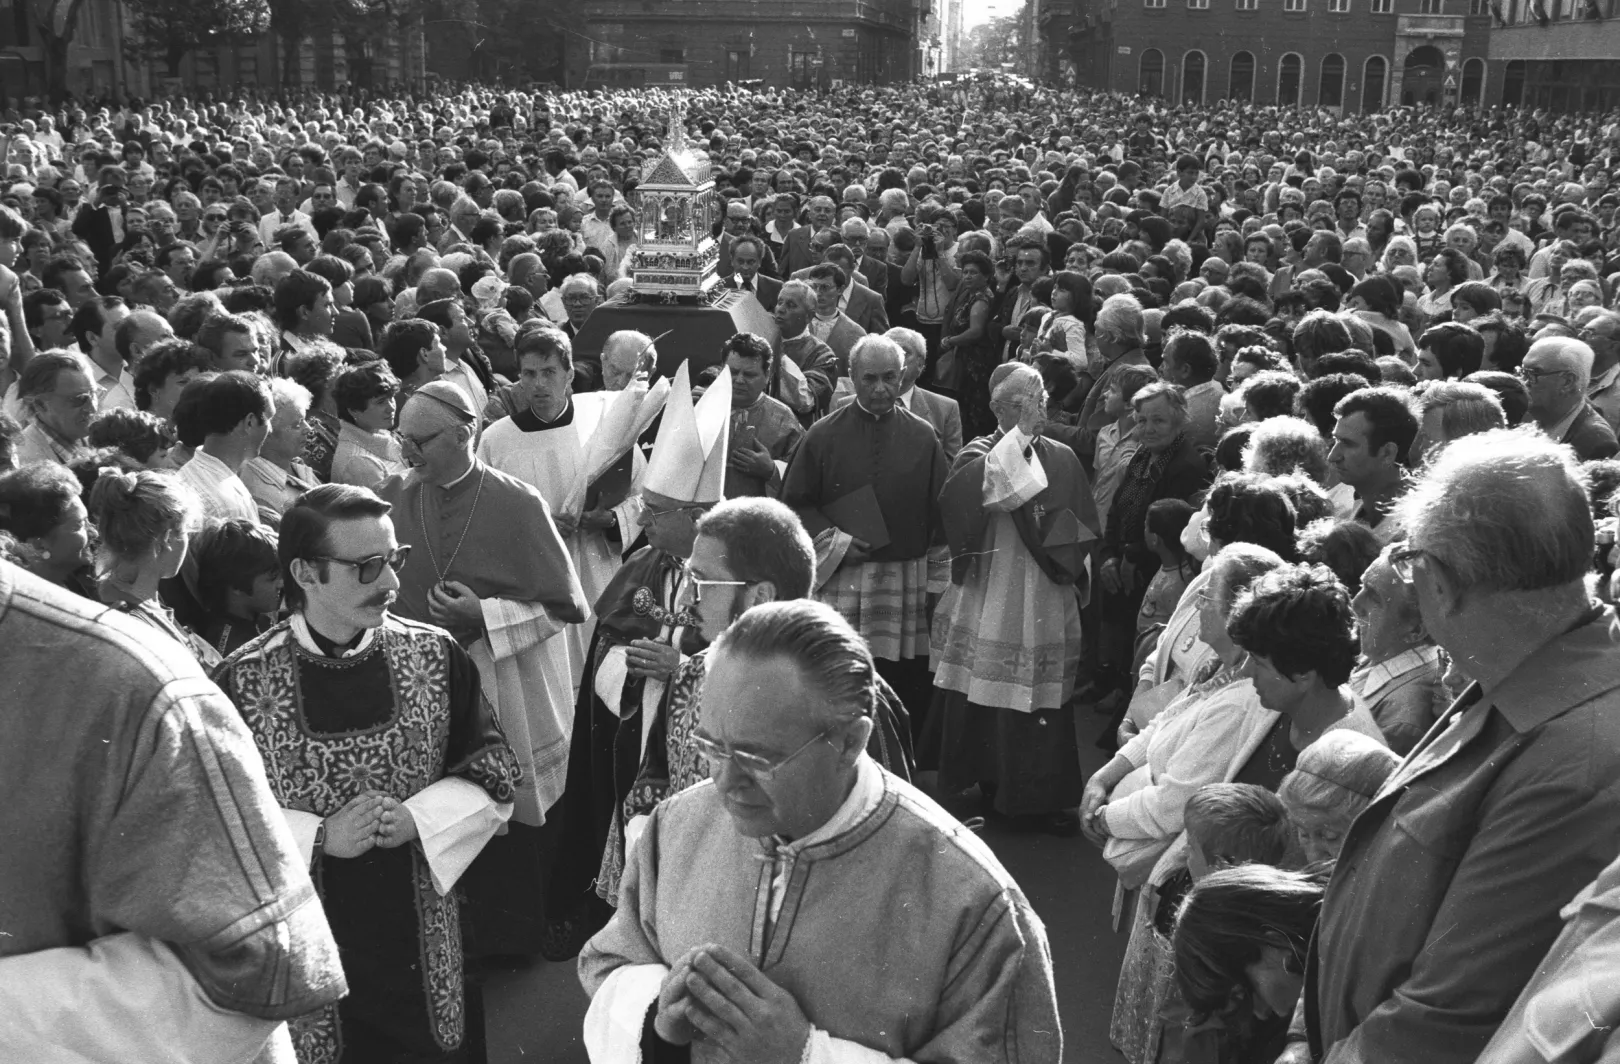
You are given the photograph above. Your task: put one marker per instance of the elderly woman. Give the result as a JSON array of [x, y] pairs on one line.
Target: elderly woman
[[1166, 465], [1400, 251], [40, 508], [1281, 445], [1449, 409], [276, 477], [1547, 294]]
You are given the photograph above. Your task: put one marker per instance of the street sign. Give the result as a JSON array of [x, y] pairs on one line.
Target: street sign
[[1124, 49]]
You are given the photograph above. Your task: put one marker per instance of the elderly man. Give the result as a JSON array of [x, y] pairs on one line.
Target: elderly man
[[747, 552], [1399, 675], [806, 370], [1373, 432], [1119, 343], [738, 224], [940, 411], [1557, 371], [1021, 522], [857, 236], [642, 635], [1601, 332], [866, 483], [113, 946], [787, 710], [1449, 886]]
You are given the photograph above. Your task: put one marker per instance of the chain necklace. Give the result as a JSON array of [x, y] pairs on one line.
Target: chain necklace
[[421, 513]]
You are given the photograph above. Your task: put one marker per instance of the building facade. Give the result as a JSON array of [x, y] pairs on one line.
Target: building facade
[[1352, 56], [1558, 55], [787, 43]]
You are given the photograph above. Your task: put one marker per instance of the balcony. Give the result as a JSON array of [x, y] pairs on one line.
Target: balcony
[[1430, 25]]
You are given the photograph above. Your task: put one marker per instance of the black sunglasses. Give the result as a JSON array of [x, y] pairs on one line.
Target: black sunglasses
[[369, 569]]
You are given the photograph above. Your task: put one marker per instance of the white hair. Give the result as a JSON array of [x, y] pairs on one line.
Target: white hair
[[1564, 353], [911, 342], [854, 225], [1121, 318], [1505, 510], [800, 292], [576, 281], [288, 392], [894, 199], [872, 344], [624, 348]]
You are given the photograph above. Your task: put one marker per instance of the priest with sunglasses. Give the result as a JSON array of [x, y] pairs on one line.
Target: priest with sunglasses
[[390, 768]]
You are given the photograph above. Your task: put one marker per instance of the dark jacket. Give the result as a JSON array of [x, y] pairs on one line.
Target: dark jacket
[[1591, 436], [1447, 892], [766, 289]]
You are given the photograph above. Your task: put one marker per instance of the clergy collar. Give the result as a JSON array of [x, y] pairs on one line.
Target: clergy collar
[[528, 421], [315, 643], [863, 797], [875, 417], [471, 468]]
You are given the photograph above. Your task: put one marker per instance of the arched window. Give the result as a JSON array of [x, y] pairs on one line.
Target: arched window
[[1241, 85], [1473, 83], [1374, 75], [1330, 89], [1192, 77], [1513, 83], [1289, 76], [1150, 81]]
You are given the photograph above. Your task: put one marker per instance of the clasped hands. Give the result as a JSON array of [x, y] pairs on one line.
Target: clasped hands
[[369, 820], [716, 995]]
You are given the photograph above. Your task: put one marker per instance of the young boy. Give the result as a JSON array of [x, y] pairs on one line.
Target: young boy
[[238, 583]]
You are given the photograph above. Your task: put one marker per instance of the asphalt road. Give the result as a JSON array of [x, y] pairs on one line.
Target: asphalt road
[[535, 1014]]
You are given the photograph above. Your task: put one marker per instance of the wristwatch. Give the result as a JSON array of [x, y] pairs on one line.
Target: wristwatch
[[320, 842]]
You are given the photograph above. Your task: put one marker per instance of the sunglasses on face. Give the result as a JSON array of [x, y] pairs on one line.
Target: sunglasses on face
[[369, 569]]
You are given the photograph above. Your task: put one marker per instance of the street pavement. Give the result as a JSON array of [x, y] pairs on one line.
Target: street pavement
[[535, 1013]]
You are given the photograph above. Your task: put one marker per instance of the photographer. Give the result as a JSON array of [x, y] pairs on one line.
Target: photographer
[[932, 268]]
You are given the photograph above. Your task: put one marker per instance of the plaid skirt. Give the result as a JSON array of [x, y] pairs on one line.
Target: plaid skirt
[[886, 602]]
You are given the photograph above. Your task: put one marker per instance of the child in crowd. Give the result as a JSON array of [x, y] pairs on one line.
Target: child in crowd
[[238, 583], [1227, 824], [1166, 519]]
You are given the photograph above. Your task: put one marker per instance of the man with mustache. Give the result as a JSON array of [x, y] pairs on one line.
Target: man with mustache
[[389, 766], [492, 568]]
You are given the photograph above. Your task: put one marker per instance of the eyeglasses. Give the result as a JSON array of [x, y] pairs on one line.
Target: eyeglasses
[[1404, 561], [699, 583], [369, 569], [425, 440], [1530, 374], [759, 769], [648, 511]]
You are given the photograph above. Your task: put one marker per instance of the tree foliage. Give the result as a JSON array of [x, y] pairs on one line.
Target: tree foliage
[[55, 21], [168, 29]]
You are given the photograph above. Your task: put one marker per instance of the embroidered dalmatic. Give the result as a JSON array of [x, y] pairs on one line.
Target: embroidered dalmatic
[[400, 714]]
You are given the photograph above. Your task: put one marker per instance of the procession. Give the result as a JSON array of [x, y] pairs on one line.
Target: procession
[[652, 564]]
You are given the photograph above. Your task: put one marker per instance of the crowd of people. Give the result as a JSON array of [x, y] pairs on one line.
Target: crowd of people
[[1276, 445]]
